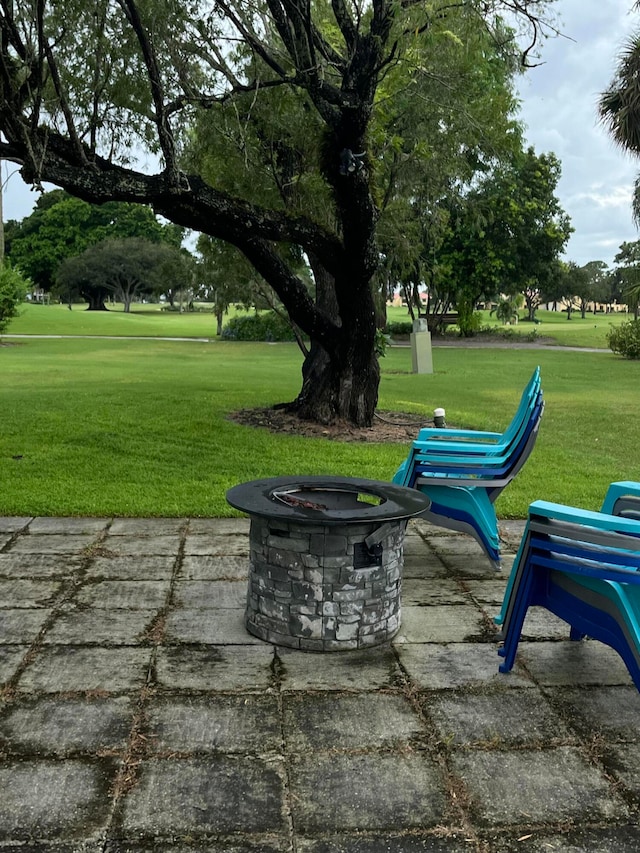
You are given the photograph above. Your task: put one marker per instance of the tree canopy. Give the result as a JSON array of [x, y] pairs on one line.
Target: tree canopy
[[62, 227], [123, 269], [291, 105]]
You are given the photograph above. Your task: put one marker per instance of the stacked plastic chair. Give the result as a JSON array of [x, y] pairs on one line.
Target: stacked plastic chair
[[464, 471], [584, 567]]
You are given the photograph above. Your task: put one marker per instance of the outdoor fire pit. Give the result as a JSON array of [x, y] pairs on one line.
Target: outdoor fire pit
[[326, 559]]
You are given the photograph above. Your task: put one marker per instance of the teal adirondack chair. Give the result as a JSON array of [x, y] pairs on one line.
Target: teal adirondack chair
[[584, 567], [464, 484]]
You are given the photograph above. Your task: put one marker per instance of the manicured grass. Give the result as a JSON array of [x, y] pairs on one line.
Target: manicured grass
[[113, 427], [590, 332], [151, 321], [142, 320]]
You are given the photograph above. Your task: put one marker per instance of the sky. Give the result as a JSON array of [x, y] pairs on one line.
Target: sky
[[559, 108]]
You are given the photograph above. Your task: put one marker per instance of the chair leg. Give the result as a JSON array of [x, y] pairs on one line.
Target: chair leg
[[575, 634]]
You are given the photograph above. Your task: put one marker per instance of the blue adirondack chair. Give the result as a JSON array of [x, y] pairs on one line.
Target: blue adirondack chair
[[463, 486], [584, 567], [478, 441]]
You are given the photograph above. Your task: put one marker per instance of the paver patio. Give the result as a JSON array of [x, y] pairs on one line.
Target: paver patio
[[137, 714]]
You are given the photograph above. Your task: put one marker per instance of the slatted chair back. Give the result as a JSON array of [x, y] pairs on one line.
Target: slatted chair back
[[585, 568]]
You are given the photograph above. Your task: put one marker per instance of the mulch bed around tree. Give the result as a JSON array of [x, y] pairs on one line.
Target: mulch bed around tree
[[388, 427]]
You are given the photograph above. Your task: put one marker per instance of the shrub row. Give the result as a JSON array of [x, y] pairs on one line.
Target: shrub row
[[625, 339], [266, 326]]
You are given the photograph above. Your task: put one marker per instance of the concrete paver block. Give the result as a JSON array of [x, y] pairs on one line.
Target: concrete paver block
[[21, 625], [13, 524], [71, 668], [216, 667], [441, 624], [145, 546], [146, 527], [369, 669], [10, 657], [541, 786], [67, 526], [13, 565], [573, 663], [219, 526], [623, 762], [456, 665], [423, 591], [366, 791], [49, 800], [214, 627], [387, 843], [323, 722], [418, 567], [488, 592], [22, 593], [618, 839], [211, 594], [591, 711], [131, 594], [213, 568], [52, 726], [99, 627], [53, 543], [228, 544], [136, 568], [503, 718], [215, 723], [197, 796]]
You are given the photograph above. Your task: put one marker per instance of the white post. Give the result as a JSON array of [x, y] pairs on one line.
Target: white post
[[421, 355]]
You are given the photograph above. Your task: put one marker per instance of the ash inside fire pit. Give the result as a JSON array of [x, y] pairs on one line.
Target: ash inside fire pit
[[326, 559]]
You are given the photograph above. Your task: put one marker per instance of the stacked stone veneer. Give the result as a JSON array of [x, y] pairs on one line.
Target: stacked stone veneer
[[319, 588]]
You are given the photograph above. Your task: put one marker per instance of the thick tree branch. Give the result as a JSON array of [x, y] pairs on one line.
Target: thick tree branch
[[203, 208]]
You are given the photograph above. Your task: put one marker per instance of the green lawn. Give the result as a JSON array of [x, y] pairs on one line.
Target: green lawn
[[143, 321], [150, 321], [128, 427], [590, 332]]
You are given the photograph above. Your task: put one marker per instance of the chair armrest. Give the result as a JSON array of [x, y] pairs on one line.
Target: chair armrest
[[618, 491]]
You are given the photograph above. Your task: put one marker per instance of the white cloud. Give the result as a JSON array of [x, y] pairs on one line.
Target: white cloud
[[559, 108]]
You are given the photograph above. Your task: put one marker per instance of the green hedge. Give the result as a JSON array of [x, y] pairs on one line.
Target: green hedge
[[266, 326], [399, 328]]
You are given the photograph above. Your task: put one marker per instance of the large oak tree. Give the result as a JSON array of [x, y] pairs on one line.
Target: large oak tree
[[86, 84]]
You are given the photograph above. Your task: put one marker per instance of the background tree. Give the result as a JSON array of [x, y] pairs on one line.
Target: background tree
[[507, 309], [619, 106], [628, 260], [593, 283], [123, 269], [79, 88], [13, 290], [506, 234], [224, 277], [62, 227]]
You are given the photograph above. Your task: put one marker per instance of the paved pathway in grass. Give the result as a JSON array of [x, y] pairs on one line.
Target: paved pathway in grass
[[136, 713], [466, 343]]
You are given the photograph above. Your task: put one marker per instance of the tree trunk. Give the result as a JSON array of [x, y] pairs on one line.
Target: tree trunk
[[343, 387], [95, 300]]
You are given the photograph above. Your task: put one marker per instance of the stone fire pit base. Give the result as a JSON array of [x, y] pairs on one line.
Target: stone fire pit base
[[324, 588], [326, 559]]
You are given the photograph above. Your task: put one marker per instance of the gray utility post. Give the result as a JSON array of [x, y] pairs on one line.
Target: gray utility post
[[421, 355]]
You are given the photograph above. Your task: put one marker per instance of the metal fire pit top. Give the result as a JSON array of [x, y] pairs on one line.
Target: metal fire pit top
[[327, 500]]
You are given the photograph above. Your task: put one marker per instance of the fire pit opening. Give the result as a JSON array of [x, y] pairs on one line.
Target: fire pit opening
[[325, 571], [326, 499]]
